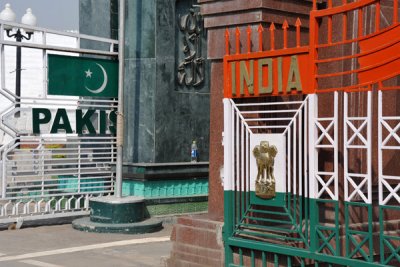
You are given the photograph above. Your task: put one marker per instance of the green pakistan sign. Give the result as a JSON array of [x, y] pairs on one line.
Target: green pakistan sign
[[79, 76]]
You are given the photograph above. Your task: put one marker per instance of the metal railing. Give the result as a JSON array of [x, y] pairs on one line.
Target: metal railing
[[50, 175]]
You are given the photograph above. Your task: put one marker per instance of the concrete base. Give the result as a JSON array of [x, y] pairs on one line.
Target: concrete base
[[148, 226], [117, 215]]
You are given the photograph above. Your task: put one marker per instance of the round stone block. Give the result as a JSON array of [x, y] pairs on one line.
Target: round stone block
[[115, 210]]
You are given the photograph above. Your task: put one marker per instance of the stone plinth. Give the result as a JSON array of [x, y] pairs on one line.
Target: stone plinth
[[110, 214]]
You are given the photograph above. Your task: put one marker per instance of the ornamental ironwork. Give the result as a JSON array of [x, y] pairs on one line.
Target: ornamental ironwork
[[191, 67]]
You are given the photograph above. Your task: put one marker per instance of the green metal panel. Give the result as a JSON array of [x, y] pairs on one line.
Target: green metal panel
[[165, 188]]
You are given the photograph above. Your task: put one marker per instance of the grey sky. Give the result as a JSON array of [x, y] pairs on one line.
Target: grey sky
[[52, 14]]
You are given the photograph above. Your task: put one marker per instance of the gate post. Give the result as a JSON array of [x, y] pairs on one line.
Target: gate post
[[313, 165], [227, 179]]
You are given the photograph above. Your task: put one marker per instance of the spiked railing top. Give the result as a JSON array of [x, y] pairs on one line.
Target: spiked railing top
[[260, 30]]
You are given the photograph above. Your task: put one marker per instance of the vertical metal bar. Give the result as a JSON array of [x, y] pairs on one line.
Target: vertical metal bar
[[285, 27], [329, 29], [227, 41], [228, 163], [227, 145], [276, 260], [237, 36], [237, 171], [301, 151], [272, 36], [347, 230], [263, 259], [44, 55], [307, 176], [380, 167], [233, 165], [294, 169], [300, 173], [18, 76], [42, 158], [289, 177], [242, 177], [313, 167], [260, 37], [360, 22], [3, 65], [241, 257], [294, 156], [4, 177], [314, 28], [248, 39], [298, 36], [369, 152], [253, 260], [336, 146], [79, 165], [344, 26], [377, 16], [248, 189], [370, 233], [120, 116], [345, 151]]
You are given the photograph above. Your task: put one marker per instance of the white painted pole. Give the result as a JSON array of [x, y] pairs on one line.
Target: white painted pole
[[120, 117]]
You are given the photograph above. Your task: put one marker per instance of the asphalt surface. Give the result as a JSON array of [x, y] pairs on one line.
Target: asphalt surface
[[62, 246]]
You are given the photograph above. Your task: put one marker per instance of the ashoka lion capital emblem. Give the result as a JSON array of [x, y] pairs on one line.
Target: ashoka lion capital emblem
[[265, 181]]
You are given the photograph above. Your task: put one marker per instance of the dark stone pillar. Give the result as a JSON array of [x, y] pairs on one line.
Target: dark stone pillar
[[162, 117], [163, 113], [98, 18]]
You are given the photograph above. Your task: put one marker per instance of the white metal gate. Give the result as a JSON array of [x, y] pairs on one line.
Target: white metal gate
[[49, 175]]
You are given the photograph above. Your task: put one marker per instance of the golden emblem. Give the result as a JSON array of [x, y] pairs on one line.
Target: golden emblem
[[265, 181]]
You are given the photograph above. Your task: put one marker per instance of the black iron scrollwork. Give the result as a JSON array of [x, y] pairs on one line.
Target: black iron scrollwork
[[191, 68]]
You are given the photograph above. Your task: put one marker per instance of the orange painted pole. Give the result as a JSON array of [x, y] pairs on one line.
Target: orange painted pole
[[314, 5], [395, 11]]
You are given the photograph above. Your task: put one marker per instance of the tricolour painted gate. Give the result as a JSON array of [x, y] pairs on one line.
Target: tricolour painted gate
[[330, 112]]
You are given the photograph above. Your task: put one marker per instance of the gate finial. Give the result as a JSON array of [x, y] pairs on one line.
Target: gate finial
[[237, 35], [227, 41], [298, 24], [285, 26], [248, 31], [272, 35], [260, 37]]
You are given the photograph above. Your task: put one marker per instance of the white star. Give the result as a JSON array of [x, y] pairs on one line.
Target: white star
[[88, 73]]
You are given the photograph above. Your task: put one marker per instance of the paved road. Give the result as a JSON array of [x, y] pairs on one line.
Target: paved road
[[62, 246]]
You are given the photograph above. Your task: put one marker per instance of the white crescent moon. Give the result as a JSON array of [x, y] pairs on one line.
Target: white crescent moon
[[103, 86]]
